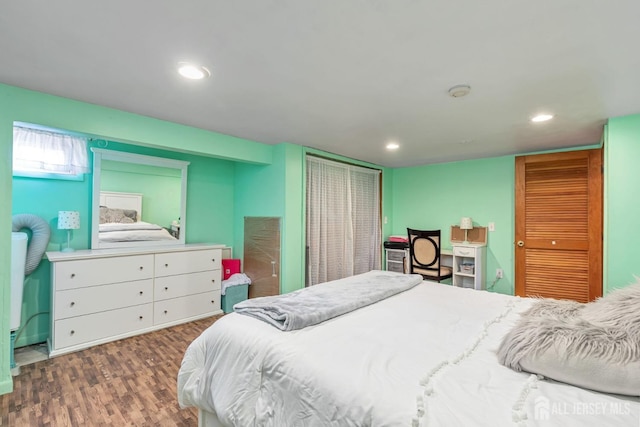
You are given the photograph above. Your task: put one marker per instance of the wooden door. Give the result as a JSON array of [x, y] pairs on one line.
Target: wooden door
[[559, 225], [262, 255]]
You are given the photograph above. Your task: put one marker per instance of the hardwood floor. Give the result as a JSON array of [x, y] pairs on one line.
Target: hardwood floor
[[131, 382]]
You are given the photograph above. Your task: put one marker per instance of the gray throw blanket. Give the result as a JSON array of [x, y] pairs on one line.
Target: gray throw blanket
[[309, 306]]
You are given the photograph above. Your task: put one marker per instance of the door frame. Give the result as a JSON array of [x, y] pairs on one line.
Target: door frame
[[595, 218]]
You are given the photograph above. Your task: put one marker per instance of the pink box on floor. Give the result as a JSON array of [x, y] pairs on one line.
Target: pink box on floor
[[230, 266]]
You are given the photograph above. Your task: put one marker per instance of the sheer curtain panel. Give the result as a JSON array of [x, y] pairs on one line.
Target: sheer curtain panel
[[343, 220], [42, 151]]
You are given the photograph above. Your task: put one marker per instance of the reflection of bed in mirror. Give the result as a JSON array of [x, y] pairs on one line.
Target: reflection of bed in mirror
[[121, 220], [129, 181]]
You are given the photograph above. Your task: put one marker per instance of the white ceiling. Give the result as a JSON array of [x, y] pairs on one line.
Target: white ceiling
[[344, 76]]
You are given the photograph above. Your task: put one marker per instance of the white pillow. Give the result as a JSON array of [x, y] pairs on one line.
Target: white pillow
[[594, 345]]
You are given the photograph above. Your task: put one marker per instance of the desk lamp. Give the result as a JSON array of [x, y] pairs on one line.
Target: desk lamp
[[466, 224], [68, 220]]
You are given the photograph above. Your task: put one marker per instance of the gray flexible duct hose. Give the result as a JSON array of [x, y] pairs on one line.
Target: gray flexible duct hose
[[40, 233]]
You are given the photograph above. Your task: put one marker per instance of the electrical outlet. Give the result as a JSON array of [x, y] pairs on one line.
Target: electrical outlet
[[499, 273], [492, 226]]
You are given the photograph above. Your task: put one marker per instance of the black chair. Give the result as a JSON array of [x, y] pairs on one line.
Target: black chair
[[424, 255]]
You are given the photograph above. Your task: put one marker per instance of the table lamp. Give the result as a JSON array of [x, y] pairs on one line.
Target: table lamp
[[68, 220], [466, 224]]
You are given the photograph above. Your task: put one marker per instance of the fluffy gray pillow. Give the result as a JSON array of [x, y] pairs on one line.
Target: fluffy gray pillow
[[594, 345]]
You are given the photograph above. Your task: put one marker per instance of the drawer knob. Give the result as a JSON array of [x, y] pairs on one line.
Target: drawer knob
[[72, 304], [141, 267], [166, 265], [213, 259], [73, 275], [213, 301], [213, 280], [140, 317], [141, 292], [166, 288], [72, 332]]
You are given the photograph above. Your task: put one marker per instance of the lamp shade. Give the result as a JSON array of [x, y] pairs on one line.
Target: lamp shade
[[68, 220], [466, 223]]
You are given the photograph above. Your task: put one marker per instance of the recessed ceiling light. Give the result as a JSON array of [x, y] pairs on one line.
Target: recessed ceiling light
[[193, 72], [542, 118], [393, 146], [459, 91]]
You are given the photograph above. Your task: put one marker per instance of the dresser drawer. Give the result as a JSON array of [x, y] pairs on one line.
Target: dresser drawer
[[78, 302], [464, 251], [185, 307], [173, 263], [100, 271], [186, 284], [92, 327]]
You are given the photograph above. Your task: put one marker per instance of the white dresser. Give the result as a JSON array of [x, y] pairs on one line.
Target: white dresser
[[104, 295]]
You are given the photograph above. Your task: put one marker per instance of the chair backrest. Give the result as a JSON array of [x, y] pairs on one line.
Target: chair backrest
[[424, 249]]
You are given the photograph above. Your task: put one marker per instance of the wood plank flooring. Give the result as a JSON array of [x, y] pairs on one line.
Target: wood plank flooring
[[131, 382]]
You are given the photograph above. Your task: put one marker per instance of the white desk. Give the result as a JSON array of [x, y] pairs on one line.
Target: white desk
[[466, 261]]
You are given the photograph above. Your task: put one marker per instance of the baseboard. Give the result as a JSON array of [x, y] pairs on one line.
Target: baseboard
[[6, 385]]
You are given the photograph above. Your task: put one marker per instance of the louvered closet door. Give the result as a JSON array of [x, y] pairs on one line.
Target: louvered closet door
[[559, 225]]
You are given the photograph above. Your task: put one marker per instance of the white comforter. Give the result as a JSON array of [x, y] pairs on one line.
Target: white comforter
[[425, 357]]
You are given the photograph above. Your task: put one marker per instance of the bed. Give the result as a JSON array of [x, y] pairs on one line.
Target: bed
[[121, 220], [425, 356]]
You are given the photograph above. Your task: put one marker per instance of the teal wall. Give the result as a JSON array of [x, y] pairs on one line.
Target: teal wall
[[6, 139], [437, 196], [622, 204], [293, 270], [275, 190], [45, 197]]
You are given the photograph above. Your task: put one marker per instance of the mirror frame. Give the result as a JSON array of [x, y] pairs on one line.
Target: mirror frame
[[121, 156]]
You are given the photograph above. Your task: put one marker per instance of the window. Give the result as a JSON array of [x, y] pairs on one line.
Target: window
[[46, 154]]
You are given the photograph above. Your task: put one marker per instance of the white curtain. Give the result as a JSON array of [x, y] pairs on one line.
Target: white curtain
[[37, 150], [343, 220]]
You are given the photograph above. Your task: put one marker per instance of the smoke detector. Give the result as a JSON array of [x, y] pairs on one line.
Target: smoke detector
[[459, 91]]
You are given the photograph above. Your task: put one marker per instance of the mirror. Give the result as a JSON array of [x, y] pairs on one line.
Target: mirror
[[137, 200]]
